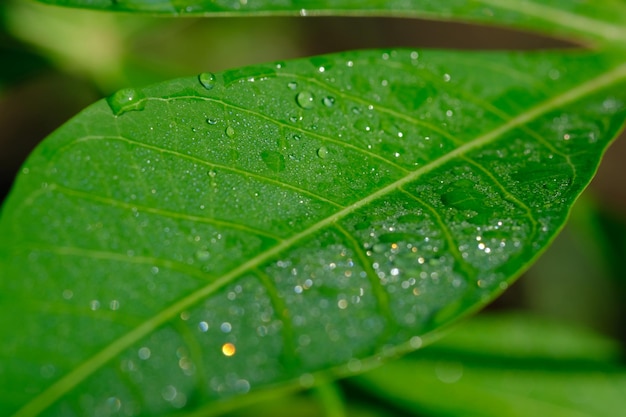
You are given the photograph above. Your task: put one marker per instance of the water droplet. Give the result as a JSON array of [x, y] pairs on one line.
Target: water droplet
[[292, 85], [354, 365], [446, 77], [226, 327], [230, 131], [416, 342], [449, 372], [275, 161], [212, 173], [328, 101], [203, 255], [322, 152], [207, 79], [305, 99], [363, 124], [169, 393], [144, 353], [203, 326], [228, 349], [242, 386], [211, 121], [126, 99]]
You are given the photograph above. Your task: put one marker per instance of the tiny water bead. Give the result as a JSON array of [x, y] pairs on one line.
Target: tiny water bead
[[207, 79], [305, 99], [126, 99], [328, 101]]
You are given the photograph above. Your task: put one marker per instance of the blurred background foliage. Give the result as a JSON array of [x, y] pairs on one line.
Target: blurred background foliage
[[55, 62]]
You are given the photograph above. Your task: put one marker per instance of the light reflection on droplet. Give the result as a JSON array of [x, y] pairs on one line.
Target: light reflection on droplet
[[228, 349]]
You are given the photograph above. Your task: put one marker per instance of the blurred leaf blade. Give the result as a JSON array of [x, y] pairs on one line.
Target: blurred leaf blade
[[508, 365], [599, 21], [197, 239]]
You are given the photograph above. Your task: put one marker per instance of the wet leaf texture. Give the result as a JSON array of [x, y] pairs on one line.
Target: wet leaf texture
[[205, 237]]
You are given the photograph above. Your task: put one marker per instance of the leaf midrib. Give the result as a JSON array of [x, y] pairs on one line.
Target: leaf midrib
[[69, 381]]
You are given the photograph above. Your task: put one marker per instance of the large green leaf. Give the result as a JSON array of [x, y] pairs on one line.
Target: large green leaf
[[519, 366], [183, 243], [599, 20]]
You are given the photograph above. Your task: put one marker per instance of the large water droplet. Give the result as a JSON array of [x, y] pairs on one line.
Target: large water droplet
[[322, 152], [126, 99], [207, 79], [305, 99]]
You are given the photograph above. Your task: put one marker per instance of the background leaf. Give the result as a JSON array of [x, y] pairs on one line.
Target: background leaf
[[209, 236], [506, 366], [602, 20]]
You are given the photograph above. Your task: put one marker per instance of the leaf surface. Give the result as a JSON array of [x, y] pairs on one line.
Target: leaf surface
[[601, 21], [178, 245], [519, 366]]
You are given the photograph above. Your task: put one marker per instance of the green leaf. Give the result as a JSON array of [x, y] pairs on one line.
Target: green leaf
[[177, 245], [519, 366], [600, 21]]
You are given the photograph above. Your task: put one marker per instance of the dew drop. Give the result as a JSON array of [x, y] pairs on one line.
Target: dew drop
[[211, 121], [328, 101], [207, 79], [169, 393], [203, 255], [126, 99], [230, 131], [363, 125], [449, 372], [305, 100], [144, 353], [275, 161], [292, 85], [242, 386], [322, 152], [416, 342], [228, 349], [203, 326]]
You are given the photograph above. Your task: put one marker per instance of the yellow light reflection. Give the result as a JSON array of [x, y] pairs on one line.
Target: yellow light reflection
[[228, 349]]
